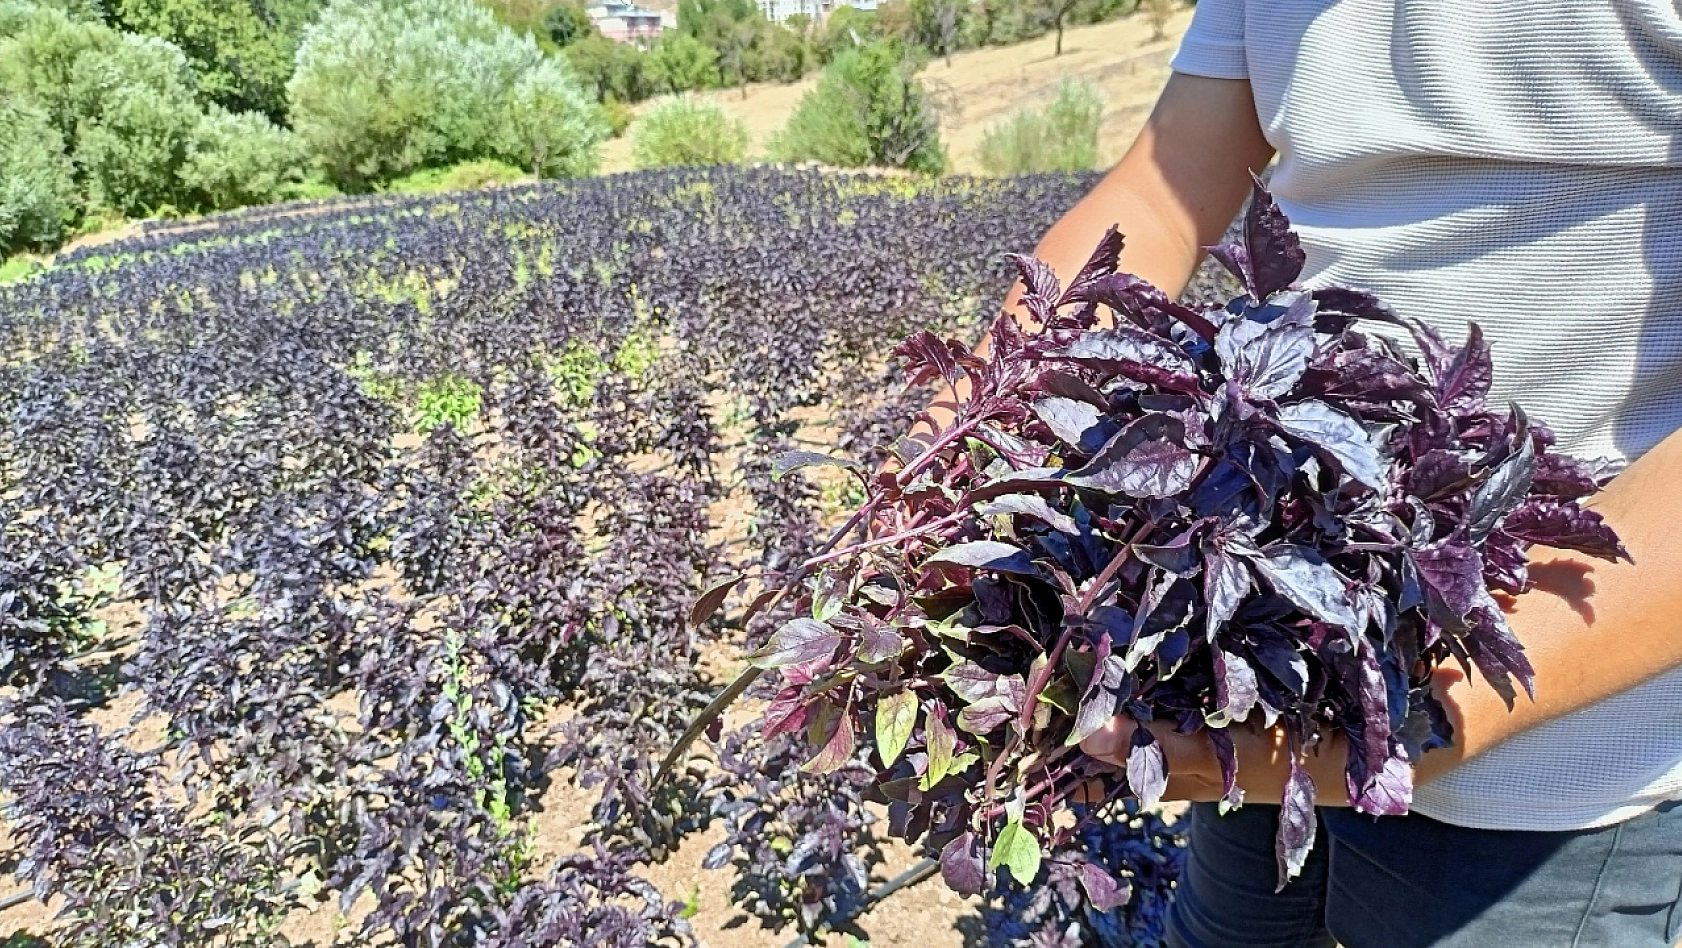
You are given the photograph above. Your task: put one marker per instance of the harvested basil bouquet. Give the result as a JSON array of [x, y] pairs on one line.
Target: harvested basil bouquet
[[1256, 514]]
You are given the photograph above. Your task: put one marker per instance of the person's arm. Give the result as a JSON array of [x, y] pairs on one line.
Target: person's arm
[[1592, 630], [1174, 192]]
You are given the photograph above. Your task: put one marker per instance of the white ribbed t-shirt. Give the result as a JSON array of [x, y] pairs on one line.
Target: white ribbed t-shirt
[[1518, 163]]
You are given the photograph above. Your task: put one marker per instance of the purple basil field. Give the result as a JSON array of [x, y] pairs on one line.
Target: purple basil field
[[347, 553]]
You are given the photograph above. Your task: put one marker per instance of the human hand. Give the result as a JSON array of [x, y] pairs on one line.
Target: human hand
[[1194, 772]]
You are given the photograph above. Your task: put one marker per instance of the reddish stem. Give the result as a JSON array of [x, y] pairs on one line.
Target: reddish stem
[[946, 521]]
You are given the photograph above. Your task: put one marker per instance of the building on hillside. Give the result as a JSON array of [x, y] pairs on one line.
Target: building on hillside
[[626, 22], [818, 10]]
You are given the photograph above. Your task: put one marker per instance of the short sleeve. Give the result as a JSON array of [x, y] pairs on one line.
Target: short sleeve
[[1214, 43]]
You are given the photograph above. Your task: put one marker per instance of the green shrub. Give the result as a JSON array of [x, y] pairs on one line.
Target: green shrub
[[843, 29], [132, 152], [777, 55], [235, 160], [384, 87], [313, 188], [241, 51], [549, 124], [1003, 22], [619, 116], [1061, 137], [37, 195], [609, 68], [72, 68], [11, 271], [685, 131], [678, 62], [867, 110], [567, 23], [467, 176], [123, 104]]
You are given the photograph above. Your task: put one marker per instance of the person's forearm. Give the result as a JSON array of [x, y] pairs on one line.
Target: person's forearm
[[1175, 191], [1592, 629]]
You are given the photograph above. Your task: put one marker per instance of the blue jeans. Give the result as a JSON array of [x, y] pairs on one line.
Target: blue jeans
[[1410, 882]]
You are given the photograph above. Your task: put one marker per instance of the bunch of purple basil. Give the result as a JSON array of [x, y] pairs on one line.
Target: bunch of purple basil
[[1260, 515]]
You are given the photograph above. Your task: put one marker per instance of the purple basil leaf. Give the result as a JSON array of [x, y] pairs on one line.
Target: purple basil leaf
[[1307, 581], [988, 714], [1100, 264], [879, 643], [985, 554], [1386, 792], [1105, 891], [1358, 452], [1454, 571], [962, 866], [719, 856], [1136, 354], [713, 598], [1564, 477], [1236, 692], [1236, 260], [1142, 460], [1505, 565], [798, 641], [1065, 385], [1267, 359], [1153, 469], [786, 713], [1098, 705], [1181, 556], [1226, 756], [971, 682], [1464, 383], [1565, 526], [1275, 254], [1041, 290], [1028, 505], [1438, 473], [1075, 423], [1364, 374], [1505, 489], [1352, 302], [928, 357], [1496, 651], [1297, 823], [1027, 479], [1283, 662], [1225, 584], [836, 751], [1438, 353], [1373, 693], [1147, 768], [788, 461]]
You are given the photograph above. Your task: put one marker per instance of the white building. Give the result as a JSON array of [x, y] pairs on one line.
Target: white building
[[626, 22], [780, 10]]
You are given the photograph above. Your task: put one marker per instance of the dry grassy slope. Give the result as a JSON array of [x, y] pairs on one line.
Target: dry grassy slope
[[982, 86]]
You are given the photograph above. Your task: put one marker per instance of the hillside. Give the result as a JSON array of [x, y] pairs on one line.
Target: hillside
[[982, 86]]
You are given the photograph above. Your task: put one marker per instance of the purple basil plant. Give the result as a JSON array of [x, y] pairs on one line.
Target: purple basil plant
[[1253, 515]]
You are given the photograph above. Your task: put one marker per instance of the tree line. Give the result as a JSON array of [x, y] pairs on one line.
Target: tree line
[[121, 109], [724, 43]]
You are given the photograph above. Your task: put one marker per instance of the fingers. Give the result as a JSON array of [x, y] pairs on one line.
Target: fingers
[[1111, 742]]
